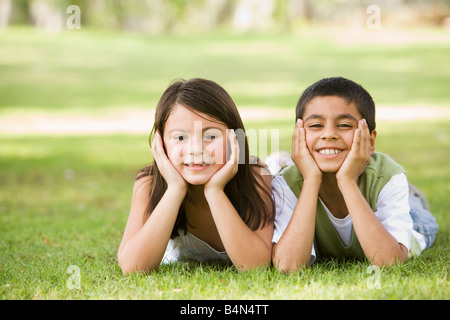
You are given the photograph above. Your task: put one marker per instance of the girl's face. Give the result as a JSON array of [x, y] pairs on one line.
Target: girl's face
[[195, 144], [330, 123]]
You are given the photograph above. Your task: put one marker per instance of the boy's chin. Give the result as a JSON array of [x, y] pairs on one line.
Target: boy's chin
[[329, 169]]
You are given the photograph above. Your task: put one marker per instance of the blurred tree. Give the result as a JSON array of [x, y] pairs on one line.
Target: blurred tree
[[159, 16]]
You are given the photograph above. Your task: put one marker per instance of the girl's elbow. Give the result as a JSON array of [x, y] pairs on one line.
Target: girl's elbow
[[127, 266]]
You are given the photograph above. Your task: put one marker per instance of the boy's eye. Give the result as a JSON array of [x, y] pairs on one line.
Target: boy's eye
[[345, 125], [315, 125]]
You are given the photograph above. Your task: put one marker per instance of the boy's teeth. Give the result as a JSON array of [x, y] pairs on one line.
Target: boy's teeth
[[329, 151]]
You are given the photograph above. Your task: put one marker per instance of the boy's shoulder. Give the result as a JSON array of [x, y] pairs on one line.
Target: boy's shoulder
[[383, 166]]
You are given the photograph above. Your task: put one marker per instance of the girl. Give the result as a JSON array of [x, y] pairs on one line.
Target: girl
[[194, 202]]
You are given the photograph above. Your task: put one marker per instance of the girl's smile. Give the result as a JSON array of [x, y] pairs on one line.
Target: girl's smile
[[195, 144]]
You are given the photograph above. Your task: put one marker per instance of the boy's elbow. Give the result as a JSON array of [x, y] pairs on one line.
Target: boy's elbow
[[288, 263], [289, 267], [392, 259]]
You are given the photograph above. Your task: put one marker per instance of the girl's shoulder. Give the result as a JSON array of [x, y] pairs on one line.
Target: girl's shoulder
[[259, 167], [144, 179]]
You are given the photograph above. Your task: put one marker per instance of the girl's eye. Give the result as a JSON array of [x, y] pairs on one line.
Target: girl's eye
[[209, 137], [179, 138]]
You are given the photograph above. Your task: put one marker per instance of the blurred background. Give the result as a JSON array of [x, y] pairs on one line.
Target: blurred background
[[161, 16], [79, 81], [76, 57]]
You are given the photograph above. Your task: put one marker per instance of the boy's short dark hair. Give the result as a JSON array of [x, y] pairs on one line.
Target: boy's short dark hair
[[344, 88]]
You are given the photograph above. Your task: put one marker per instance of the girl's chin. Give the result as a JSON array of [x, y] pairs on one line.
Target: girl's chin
[[198, 177]]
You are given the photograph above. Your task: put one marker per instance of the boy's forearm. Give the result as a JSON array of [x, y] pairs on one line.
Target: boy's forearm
[[379, 246], [293, 250]]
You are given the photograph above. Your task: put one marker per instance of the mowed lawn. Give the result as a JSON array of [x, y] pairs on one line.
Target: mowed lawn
[[64, 199]]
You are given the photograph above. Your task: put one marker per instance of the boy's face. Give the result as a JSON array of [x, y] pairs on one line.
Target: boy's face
[[330, 123]]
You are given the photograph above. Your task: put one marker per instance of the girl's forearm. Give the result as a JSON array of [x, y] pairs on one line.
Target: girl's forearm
[[145, 249], [245, 247]]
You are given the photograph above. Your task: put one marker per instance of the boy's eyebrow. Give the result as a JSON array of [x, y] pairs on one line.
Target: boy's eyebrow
[[341, 116], [347, 116], [314, 116]]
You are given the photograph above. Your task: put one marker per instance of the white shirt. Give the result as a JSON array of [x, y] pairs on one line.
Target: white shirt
[[189, 247], [392, 211]]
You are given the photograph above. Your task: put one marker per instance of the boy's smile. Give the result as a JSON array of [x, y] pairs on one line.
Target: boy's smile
[[330, 123]]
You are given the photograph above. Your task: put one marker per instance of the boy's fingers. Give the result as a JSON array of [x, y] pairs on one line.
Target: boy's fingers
[[365, 136]]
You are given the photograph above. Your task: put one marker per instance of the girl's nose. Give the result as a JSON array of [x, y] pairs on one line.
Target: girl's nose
[[195, 148]]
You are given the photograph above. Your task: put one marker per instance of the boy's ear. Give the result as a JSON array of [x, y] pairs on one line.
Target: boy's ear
[[373, 136]]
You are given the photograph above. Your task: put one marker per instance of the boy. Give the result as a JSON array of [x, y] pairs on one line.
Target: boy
[[340, 198]]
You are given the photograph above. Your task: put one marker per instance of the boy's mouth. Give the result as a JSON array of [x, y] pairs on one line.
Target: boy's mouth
[[329, 151]]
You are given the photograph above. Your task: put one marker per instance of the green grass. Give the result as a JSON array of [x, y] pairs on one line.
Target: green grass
[[87, 71], [64, 199], [64, 202]]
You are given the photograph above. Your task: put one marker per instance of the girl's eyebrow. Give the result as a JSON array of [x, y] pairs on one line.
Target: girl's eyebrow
[[203, 129], [176, 129], [208, 128]]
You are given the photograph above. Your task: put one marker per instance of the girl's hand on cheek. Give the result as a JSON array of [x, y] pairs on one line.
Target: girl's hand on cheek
[[301, 155], [359, 156], [219, 180], [165, 166]]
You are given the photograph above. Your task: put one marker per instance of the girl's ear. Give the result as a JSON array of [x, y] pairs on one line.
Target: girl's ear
[[373, 136]]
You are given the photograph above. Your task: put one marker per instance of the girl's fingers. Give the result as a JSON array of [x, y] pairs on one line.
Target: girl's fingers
[[157, 148], [234, 156]]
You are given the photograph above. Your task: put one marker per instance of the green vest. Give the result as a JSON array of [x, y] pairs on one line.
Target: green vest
[[326, 239]]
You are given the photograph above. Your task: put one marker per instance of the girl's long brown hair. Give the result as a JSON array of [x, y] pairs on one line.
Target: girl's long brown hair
[[243, 190]]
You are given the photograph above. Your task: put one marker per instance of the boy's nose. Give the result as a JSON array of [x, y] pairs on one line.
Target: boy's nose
[[329, 134]]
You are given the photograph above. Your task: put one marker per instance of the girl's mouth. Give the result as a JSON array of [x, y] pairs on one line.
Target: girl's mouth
[[191, 164], [197, 166]]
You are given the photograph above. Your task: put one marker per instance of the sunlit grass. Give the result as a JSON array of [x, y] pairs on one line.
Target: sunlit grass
[[65, 200]]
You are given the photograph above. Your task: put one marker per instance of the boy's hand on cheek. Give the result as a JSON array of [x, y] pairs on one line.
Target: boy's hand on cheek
[[359, 156], [301, 156]]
